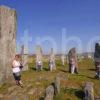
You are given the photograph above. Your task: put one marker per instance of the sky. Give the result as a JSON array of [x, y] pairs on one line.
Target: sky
[[58, 24]]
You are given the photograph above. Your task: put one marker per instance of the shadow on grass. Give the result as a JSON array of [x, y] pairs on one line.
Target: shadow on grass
[[92, 69], [46, 69], [65, 71], [80, 94], [91, 77], [42, 98], [33, 68], [77, 92]]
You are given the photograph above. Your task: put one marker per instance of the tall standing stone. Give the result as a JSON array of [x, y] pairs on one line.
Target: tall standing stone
[[67, 60], [97, 54], [52, 58], [24, 57], [8, 21], [72, 54], [57, 85], [38, 55], [63, 59]]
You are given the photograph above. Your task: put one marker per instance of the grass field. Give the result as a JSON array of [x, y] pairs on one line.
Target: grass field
[[35, 83]]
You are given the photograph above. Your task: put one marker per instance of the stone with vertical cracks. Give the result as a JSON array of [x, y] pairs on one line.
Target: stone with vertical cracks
[[8, 20]]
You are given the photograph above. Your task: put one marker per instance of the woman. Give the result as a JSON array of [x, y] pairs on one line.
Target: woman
[[16, 70], [39, 65]]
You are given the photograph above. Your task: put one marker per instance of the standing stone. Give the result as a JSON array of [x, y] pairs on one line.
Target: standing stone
[[57, 85], [63, 59], [72, 54], [52, 58], [67, 60], [97, 60], [39, 56], [89, 92], [49, 93], [8, 21], [24, 57], [97, 54]]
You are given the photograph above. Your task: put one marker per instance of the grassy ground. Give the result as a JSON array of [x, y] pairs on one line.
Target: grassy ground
[[71, 87]]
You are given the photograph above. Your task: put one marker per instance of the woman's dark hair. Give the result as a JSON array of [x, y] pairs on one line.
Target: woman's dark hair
[[17, 55]]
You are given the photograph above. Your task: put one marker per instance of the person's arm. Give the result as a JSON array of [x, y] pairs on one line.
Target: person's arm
[[20, 63]]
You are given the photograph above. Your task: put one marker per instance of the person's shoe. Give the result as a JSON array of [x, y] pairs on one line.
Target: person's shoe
[[17, 84], [21, 86], [20, 83], [72, 72]]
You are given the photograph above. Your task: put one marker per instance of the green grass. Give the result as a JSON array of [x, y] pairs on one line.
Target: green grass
[[4, 87], [71, 89]]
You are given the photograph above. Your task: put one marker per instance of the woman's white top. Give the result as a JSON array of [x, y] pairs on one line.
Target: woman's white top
[[39, 63], [16, 65]]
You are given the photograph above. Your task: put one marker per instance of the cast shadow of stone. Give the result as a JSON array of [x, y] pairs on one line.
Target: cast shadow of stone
[[91, 77], [46, 69], [92, 69], [80, 94], [42, 98], [33, 68], [65, 71]]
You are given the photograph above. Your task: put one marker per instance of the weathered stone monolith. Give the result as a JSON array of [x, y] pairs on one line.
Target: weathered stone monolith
[[97, 54], [57, 85], [49, 93], [72, 54], [8, 22], [24, 57], [63, 59], [39, 57], [89, 92], [52, 58]]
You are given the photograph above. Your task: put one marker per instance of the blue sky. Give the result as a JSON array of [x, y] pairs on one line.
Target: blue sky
[[42, 18]]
